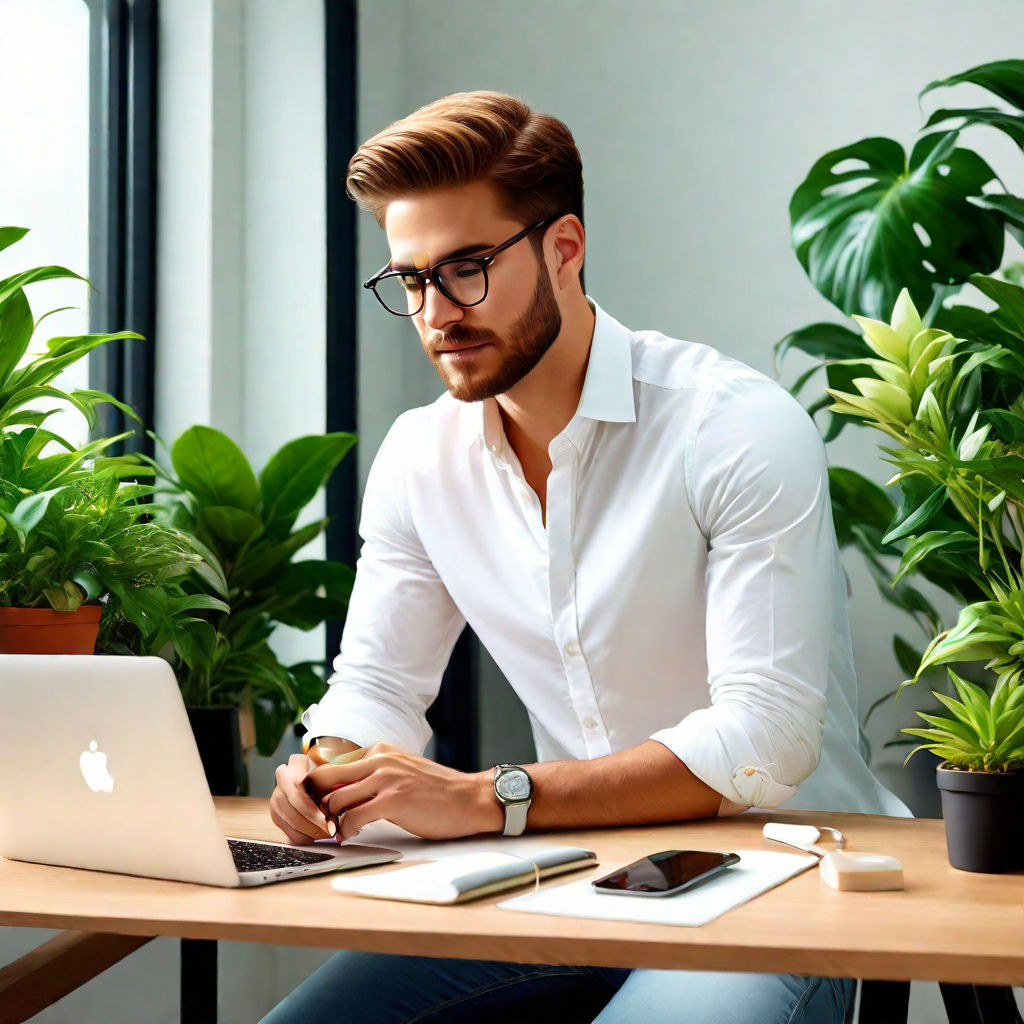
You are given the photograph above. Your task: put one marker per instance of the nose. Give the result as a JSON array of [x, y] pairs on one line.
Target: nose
[[439, 312]]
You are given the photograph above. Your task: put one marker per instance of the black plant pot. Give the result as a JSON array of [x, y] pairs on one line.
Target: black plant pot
[[984, 814], [220, 748]]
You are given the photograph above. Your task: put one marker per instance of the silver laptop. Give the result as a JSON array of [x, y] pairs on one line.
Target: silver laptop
[[100, 770]]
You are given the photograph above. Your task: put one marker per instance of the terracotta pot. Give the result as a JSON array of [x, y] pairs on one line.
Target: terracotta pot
[[44, 631], [984, 819]]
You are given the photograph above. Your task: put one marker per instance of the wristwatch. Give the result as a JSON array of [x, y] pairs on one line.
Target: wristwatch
[[514, 788]]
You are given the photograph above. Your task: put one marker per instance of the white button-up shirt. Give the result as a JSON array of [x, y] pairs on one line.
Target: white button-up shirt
[[685, 586]]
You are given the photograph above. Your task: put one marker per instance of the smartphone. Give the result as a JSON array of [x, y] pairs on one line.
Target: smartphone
[[665, 873]]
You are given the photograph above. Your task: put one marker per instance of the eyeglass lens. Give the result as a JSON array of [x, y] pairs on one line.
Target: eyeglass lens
[[462, 281]]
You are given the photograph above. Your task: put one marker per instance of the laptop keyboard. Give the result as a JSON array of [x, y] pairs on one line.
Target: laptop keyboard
[[261, 857]]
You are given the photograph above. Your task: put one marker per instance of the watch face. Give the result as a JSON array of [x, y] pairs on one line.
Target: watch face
[[514, 785]]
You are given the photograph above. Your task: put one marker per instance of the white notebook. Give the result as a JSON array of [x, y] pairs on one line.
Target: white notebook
[[462, 877]]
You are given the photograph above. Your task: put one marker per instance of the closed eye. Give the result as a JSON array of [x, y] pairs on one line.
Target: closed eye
[[466, 270]]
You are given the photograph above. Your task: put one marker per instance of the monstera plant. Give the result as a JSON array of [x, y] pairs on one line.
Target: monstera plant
[[871, 220]]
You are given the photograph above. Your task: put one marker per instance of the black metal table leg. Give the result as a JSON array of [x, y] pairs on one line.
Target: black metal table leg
[[198, 981], [884, 1002], [980, 1004]]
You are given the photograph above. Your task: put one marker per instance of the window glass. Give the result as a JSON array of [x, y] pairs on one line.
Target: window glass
[[44, 169]]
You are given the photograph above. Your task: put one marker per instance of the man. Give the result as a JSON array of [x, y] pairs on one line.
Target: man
[[638, 529]]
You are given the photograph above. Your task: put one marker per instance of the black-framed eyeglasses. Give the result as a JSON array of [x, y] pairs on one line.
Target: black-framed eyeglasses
[[460, 279]]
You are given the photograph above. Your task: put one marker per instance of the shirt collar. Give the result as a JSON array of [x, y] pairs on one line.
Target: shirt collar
[[607, 388]]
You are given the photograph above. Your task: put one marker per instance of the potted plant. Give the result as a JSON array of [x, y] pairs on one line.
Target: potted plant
[[959, 460], [91, 546], [71, 532], [249, 525], [870, 219]]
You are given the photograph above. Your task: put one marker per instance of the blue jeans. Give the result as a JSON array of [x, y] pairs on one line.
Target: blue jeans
[[385, 989]]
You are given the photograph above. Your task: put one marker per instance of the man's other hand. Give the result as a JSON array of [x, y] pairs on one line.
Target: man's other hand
[[292, 809], [391, 784]]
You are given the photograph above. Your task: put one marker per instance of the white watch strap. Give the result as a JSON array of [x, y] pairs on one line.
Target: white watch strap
[[515, 817]]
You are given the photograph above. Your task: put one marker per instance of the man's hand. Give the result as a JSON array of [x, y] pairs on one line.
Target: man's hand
[[292, 809], [391, 784]]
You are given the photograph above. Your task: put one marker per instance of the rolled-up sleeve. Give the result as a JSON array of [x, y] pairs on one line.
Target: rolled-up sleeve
[[758, 483], [401, 624]]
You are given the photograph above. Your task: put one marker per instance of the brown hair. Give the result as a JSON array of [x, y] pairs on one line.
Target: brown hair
[[530, 158]]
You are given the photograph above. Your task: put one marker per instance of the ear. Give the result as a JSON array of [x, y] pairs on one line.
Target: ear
[[569, 247]]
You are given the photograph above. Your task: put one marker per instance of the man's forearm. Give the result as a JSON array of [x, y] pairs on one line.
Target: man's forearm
[[642, 785]]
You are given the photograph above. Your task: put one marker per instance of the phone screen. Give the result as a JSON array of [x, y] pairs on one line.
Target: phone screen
[[664, 873]]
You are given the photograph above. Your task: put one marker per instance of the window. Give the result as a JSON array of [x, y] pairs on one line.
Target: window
[[77, 117], [44, 175]]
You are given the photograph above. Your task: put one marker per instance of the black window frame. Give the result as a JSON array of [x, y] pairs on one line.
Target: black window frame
[[123, 111]]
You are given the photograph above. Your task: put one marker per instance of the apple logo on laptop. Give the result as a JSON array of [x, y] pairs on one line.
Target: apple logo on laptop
[[93, 763]]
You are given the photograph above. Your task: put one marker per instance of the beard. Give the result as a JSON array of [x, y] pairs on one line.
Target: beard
[[528, 340]]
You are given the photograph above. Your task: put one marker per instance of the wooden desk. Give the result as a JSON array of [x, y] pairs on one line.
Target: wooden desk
[[947, 925]]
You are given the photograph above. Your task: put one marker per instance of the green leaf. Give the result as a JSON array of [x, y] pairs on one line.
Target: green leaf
[[855, 230], [973, 696], [101, 397], [12, 284], [294, 474], [29, 511], [213, 467], [917, 517], [209, 569], [855, 499], [89, 583], [927, 544], [962, 712], [1010, 300], [63, 352], [197, 602], [265, 557], [313, 592], [231, 527], [1008, 426], [271, 719], [840, 377], [943, 736], [309, 682], [15, 333], [68, 598], [1011, 208], [823, 341], [1009, 124], [1003, 78], [907, 657], [8, 236]]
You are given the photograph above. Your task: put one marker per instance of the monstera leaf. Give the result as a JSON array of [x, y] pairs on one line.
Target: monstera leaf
[[867, 222]]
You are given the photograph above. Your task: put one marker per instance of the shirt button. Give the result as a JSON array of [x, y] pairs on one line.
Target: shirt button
[[493, 447], [572, 649], [589, 723]]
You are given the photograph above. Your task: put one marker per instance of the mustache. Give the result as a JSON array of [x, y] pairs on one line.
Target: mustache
[[458, 334]]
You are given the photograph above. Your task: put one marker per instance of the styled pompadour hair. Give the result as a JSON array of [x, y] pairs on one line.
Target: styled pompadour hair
[[530, 158]]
